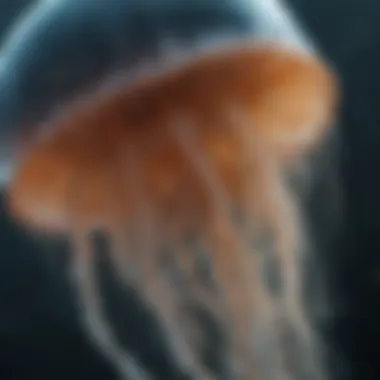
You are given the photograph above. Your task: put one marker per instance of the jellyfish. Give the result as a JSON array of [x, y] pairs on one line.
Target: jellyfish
[[187, 163]]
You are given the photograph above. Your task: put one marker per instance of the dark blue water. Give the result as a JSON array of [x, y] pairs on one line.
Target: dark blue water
[[39, 336]]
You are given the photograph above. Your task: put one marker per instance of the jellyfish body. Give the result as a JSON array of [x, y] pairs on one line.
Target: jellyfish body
[[203, 150]]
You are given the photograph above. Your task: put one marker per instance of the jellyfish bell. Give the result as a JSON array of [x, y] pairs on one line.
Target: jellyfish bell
[[178, 151], [280, 100], [55, 49]]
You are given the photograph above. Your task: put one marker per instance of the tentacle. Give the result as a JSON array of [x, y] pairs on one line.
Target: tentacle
[[93, 319], [237, 270], [279, 213], [151, 280]]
